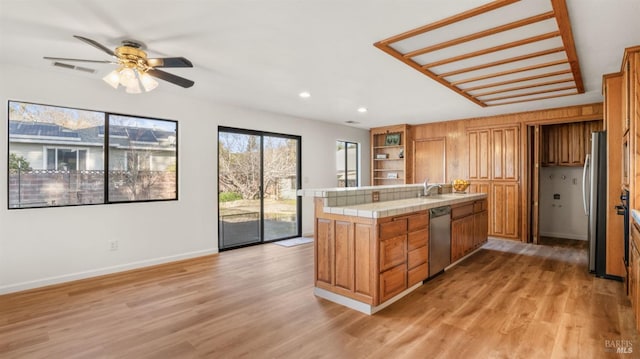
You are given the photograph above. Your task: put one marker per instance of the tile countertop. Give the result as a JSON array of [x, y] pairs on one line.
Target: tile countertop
[[402, 206], [635, 215]]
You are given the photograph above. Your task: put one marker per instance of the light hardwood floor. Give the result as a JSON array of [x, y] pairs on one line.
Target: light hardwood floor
[[509, 300]]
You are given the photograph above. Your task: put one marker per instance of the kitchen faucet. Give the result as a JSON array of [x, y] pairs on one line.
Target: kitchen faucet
[[428, 187]]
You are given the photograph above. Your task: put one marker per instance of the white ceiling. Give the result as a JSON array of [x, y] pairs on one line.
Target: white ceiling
[[261, 53]]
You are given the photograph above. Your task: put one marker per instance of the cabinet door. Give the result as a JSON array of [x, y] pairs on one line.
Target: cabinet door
[[576, 141], [504, 210], [344, 255], [364, 248], [480, 228], [324, 251], [461, 237], [505, 146], [479, 155], [564, 145], [393, 282], [549, 145]]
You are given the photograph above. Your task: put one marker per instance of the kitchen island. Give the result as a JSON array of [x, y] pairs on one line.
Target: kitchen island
[[371, 244]]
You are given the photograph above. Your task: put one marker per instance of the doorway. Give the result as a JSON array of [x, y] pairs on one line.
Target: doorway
[[258, 176], [556, 156]]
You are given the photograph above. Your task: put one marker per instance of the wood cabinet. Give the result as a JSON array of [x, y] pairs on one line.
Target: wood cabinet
[[479, 165], [503, 210], [372, 260], [567, 144], [612, 91], [494, 167], [505, 148], [634, 273], [469, 228], [344, 255], [391, 155], [404, 252]]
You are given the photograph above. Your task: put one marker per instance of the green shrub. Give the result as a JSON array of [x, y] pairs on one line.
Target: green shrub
[[229, 196]]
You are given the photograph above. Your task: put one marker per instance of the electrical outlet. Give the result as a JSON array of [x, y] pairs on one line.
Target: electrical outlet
[[113, 245]]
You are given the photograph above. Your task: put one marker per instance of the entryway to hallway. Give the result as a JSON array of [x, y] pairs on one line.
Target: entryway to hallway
[[258, 175]]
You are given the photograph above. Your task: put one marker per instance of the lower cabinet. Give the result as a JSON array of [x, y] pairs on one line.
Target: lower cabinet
[[469, 227], [393, 282], [503, 204], [345, 252], [372, 260], [634, 273], [404, 252]]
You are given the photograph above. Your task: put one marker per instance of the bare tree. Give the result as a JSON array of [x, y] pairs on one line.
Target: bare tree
[[239, 163]]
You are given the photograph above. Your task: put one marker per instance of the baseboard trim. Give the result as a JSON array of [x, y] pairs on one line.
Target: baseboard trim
[[563, 235], [38, 283]]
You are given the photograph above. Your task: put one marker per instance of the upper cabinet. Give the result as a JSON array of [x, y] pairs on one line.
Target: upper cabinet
[[494, 153], [391, 155], [567, 144]]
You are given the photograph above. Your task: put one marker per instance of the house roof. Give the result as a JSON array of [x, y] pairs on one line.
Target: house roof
[[121, 136]]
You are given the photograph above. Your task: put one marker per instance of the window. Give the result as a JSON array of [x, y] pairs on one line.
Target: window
[[57, 157], [65, 159], [347, 156]]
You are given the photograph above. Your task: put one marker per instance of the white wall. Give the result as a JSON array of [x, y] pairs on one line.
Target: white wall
[[564, 217], [51, 245]]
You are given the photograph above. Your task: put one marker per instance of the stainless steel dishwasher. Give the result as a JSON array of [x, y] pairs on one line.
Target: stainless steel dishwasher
[[439, 239]]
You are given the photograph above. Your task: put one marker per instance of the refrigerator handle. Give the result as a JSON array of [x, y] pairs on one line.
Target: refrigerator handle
[[585, 172]]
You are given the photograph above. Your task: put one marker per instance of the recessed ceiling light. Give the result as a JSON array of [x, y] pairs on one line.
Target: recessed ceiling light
[[362, 109], [352, 122], [304, 94]]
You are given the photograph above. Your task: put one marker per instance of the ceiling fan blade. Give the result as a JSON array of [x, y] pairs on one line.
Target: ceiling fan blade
[[169, 62], [177, 80], [96, 44], [79, 60]]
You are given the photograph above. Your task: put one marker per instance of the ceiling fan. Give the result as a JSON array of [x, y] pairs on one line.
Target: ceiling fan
[[135, 70]]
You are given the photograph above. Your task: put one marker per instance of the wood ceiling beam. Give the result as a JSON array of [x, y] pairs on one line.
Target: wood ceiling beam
[[448, 21], [481, 34], [533, 99], [502, 62], [508, 45], [509, 72], [522, 79], [540, 84], [564, 25], [529, 93]]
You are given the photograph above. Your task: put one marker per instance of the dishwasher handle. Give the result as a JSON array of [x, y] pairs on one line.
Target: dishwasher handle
[[440, 211]]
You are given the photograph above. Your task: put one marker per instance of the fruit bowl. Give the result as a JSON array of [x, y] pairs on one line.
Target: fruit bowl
[[460, 185]]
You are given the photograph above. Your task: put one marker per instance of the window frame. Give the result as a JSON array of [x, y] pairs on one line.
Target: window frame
[[346, 144], [105, 156]]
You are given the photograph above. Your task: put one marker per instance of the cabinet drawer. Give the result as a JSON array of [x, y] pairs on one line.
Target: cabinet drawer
[[479, 206], [418, 222], [392, 252], [393, 282], [418, 239], [417, 274], [394, 228], [462, 211], [417, 257]]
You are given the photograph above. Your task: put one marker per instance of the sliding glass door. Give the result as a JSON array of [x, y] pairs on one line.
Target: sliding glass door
[[258, 175]]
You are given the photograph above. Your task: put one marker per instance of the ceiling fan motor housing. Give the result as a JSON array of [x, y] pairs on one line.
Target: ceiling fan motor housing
[[132, 57]]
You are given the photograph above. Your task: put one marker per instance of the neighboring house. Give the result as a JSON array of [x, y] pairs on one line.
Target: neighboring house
[[48, 146]]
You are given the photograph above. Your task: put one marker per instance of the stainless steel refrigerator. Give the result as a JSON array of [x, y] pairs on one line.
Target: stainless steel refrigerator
[[594, 193]]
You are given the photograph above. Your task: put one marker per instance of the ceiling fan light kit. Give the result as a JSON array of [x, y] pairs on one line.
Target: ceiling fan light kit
[[132, 73], [135, 71]]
